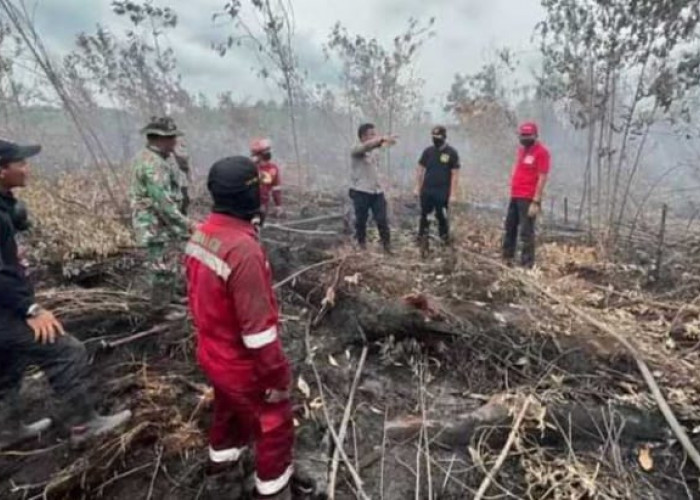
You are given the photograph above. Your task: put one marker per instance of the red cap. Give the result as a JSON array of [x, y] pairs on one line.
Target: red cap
[[260, 145], [528, 128]]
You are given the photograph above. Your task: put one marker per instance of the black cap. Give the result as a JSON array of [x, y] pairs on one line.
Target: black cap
[[234, 184], [439, 131], [10, 151]]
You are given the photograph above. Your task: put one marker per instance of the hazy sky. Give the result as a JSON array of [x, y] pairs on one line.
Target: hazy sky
[[467, 31]]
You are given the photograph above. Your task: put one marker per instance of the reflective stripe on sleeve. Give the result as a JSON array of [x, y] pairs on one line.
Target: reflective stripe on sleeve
[[210, 260], [274, 486], [258, 340]]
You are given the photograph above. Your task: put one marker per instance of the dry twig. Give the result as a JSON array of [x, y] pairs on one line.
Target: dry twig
[[294, 276], [344, 423], [336, 440], [668, 414], [504, 452]]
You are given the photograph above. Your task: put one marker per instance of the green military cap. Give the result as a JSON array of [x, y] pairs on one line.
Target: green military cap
[[163, 126]]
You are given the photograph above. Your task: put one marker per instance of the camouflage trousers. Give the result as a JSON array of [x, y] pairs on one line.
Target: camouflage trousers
[[164, 264]]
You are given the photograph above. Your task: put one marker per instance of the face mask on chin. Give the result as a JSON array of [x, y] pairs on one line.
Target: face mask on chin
[[438, 142]]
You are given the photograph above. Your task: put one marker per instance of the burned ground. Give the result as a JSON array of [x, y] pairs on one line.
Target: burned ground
[[458, 351]]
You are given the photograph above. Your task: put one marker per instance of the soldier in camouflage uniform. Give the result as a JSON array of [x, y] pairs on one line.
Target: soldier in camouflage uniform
[[157, 203]]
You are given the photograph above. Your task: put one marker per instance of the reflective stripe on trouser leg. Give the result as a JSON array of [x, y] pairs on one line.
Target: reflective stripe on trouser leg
[[223, 456], [233, 426], [273, 449]]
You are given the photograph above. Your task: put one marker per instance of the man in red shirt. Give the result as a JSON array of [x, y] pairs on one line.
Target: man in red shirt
[[236, 318], [270, 180], [528, 181]]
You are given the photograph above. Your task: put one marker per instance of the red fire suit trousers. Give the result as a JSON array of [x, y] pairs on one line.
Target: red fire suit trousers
[[241, 419]]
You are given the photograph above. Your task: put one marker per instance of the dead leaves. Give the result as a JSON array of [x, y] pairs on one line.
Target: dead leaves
[[646, 462]]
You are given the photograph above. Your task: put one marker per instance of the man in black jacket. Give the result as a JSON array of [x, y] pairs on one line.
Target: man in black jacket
[[31, 335], [437, 178]]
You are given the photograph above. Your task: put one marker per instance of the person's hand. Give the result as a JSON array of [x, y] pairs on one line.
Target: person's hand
[[389, 140], [416, 191], [534, 209], [46, 327], [276, 396]]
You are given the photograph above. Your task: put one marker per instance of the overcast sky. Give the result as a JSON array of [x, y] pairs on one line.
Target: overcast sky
[[467, 31]]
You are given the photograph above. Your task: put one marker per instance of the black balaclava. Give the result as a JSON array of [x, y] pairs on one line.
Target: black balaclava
[[234, 184], [266, 155]]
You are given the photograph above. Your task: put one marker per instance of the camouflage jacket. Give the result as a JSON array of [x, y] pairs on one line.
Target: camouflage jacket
[[156, 197]]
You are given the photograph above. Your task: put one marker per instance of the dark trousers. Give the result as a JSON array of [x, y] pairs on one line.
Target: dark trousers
[[434, 202], [376, 203], [65, 364], [519, 224]]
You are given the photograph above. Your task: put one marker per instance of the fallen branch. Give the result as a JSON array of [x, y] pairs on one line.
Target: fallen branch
[[344, 423], [307, 232], [313, 220], [133, 338], [294, 276], [155, 473], [668, 414], [504, 453]]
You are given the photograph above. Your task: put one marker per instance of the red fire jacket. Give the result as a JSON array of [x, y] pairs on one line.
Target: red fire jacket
[[234, 308], [270, 184]]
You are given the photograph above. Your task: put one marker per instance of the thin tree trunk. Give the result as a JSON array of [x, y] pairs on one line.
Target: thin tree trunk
[[609, 147], [635, 168], [623, 151]]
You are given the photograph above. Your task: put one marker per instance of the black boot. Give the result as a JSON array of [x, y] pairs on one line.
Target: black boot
[[302, 485], [230, 480]]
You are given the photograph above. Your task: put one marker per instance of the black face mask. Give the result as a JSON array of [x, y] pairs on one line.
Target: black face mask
[[438, 142], [266, 156], [526, 143], [20, 217]]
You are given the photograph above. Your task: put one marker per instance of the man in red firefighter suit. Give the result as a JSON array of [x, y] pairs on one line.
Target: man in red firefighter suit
[[270, 180], [236, 318]]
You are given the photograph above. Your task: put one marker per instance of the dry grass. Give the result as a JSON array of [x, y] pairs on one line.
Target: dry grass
[[73, 217]]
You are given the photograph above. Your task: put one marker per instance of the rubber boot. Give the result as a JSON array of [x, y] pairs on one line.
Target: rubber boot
[[424, 246], [18, 433], [230, 480], [302, 485], [97, 425]]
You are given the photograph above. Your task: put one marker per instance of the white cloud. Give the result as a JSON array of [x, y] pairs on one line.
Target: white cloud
[[466, 32]]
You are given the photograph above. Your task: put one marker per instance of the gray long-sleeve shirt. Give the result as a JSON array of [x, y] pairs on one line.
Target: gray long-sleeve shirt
[[364, 170]]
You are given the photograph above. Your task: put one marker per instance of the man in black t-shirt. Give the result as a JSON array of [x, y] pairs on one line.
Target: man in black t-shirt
[[436, 184]]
